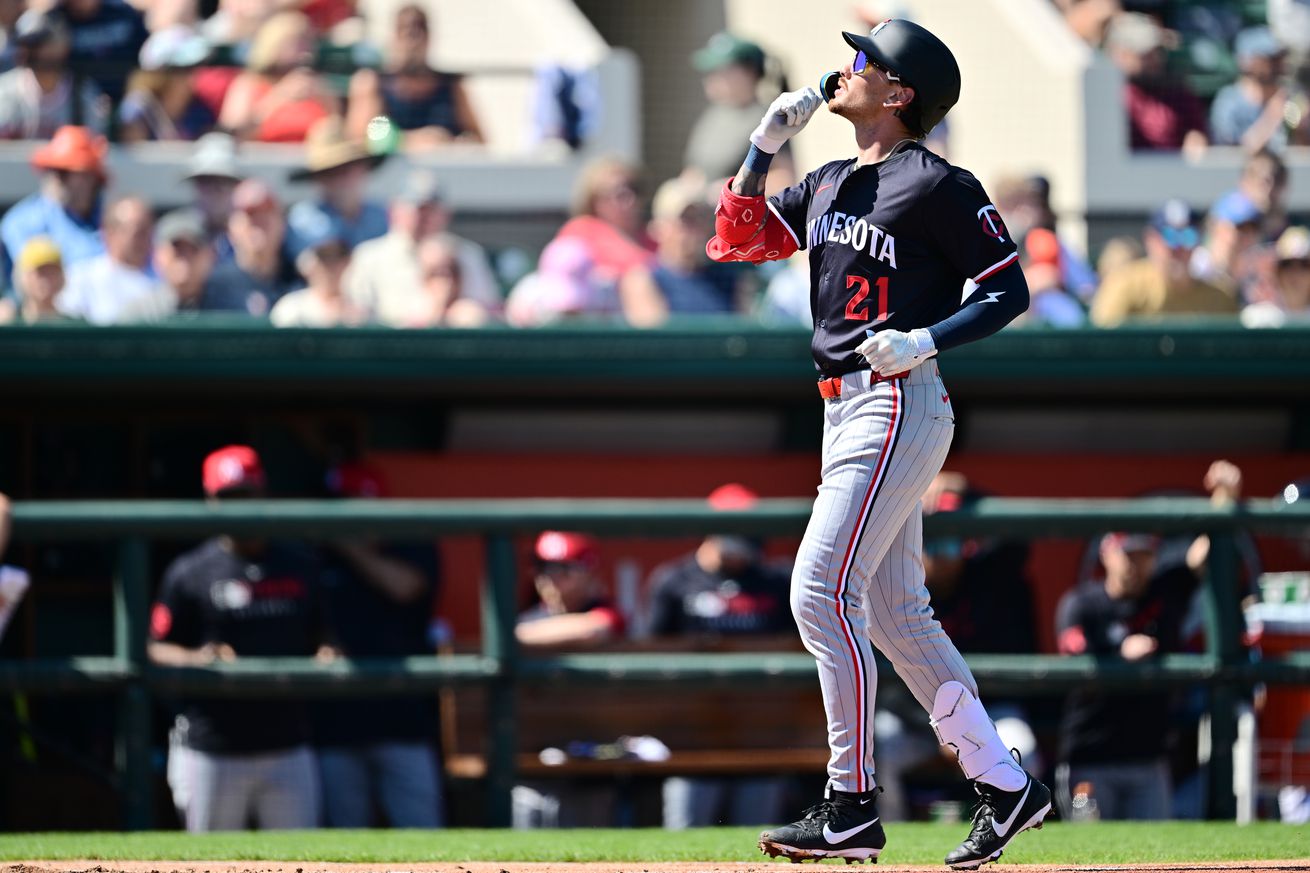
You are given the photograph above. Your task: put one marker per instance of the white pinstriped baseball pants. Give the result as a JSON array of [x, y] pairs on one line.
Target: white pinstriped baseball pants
[[858, 580]]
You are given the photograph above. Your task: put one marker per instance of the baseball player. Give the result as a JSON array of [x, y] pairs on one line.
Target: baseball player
[[894, 234]]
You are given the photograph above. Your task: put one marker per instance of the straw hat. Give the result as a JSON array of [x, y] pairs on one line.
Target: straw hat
[[75, 149], [327, 147]]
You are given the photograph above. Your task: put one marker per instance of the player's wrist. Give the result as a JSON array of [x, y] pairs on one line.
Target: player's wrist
[[757, 160], [923, 343]]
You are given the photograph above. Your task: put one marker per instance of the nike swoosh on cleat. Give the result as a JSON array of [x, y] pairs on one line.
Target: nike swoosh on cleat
[[1003, 828], [835, 837]]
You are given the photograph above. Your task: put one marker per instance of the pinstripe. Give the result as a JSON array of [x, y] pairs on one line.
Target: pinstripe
[[911, 586], [806, 601], [880, 470], [873, 477]]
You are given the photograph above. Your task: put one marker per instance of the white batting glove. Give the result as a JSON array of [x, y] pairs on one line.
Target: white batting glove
[[785, 117], [891, 351]]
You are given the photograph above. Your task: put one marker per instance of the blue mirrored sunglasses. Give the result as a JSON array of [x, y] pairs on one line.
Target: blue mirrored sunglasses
[[863, 62], [1180, 237]]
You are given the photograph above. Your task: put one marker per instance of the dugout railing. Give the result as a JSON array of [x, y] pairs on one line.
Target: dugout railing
[[1225, 667]]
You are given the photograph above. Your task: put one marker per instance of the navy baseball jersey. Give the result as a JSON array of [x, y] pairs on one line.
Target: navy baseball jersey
[[263, 607], [891, 246]]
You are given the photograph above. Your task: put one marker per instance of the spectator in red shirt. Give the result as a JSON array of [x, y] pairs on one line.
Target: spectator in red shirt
[[608, 217], [279, 97], [1163, 114]]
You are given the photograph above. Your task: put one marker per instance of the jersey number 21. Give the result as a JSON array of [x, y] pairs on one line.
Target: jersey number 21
[[858, 307]]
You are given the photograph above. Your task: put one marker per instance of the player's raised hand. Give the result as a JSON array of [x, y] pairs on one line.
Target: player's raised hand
[[892, 351], [785, 118], [1224, 482]]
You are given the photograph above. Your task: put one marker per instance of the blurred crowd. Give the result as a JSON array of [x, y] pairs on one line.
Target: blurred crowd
[[263, 71], [83, 72], [1243, 257], [1205, 73]]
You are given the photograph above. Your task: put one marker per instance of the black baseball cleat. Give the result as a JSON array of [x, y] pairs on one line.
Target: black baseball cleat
[[843, 826], [999, 817]]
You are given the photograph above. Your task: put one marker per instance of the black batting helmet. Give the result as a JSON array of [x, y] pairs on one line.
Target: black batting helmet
[[920, 59]]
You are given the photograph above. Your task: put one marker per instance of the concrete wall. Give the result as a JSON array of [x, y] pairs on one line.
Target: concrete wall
[[662, 35]]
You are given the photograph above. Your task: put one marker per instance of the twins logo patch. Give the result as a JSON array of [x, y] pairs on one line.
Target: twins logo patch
[[992, 224]]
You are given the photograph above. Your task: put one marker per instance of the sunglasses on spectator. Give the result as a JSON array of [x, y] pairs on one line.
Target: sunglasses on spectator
[[863, 62], [616, 192], [1180, 237], [186, 247], [332, 253]]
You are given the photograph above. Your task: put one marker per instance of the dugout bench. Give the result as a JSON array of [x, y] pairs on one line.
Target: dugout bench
[[718, 729]]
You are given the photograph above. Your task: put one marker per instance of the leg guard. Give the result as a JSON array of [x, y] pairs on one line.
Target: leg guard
[[960, 722]]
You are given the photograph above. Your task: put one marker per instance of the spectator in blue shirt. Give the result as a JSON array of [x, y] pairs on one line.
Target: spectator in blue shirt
[[687, 279], [66, 208], [339, 168], [107, 37], [1252, 112]]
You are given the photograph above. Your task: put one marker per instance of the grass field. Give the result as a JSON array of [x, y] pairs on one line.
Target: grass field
[[1102, 843]]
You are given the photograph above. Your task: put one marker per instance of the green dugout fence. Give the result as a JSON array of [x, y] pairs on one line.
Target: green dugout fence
[[1225, 668]]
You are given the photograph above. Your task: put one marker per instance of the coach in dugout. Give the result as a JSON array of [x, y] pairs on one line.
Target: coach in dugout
[[237, 763]]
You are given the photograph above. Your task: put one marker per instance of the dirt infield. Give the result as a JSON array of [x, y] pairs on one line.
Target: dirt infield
[[666, 867]]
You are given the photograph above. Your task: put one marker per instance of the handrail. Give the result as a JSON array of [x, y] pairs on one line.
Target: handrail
[[111, 519], [1224, 667]]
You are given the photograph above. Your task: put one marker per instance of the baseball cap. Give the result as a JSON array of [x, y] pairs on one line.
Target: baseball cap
[[1236, 208], [725, 49], [1254, 43], [35, 27], [1176, 222], [321, 235], [232, 468], [37, 252], [676, 196], [181, 224], [178, 47], [559, 547], [732, 496], [1293, 244], [215, 156], [1134, 32]]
